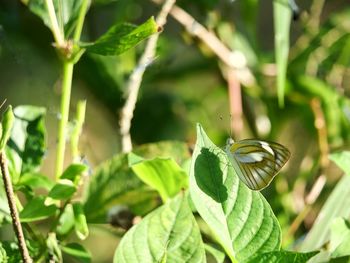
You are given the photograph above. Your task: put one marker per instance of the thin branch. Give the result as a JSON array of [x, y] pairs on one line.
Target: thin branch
[[136, 78], [232, 59], [236, 70], [17, 227]]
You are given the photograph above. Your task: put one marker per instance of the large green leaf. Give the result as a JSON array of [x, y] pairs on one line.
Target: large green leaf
[[241, 219], [282, 16], [27, 145], [337, 205], [164, 175], [121, 37], [169, 232], [282, 256], [340, 238], [114, 183]]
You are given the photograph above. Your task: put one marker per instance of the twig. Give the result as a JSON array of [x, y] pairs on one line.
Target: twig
[[232, 59], [236, 70], [320, 125], [13, 210], [136, 78]]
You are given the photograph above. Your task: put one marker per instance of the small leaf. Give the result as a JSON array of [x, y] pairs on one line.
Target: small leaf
[[27, 145], [81, 227], [35, 210], [66, 221], [63, 190], [35, 180], [282, 17], [6, 124], [121, 37], [77, 251], [53, 247], [164, 175], [169, 230], [282, 256], [73, 172], [342, 159], [241, 219]]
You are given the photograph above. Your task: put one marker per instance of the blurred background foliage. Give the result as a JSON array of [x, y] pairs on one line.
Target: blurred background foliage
[[185, 84]]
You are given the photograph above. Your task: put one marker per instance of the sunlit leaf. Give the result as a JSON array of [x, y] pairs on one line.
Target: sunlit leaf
[[164, 175], [120, 38], [282, 256], [169, 230], [241, 219]]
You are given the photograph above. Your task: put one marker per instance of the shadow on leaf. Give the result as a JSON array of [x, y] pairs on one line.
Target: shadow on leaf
[[209, 176]]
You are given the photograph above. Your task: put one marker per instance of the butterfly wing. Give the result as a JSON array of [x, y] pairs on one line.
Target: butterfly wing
[[257, 162]]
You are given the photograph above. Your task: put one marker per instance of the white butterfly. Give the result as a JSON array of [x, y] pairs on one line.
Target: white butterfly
[[256, 162]]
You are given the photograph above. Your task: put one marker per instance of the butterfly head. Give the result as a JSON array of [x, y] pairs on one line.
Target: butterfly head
[[229, 143]]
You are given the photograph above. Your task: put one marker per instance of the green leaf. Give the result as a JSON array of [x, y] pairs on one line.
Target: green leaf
[[27, 145], [53, 248], [164, 175], [66, 221], [340, 238], [6, 125], [342, 159], [77, 251], [3, 254], [121, 37], [66, 12], [35, 180], [73, 172], [80, 224], [63, 190], [282, 256], [36, 209], [241, 219], [114, 183], [216, 253], [170, 230], [337, 205], [282, 17]]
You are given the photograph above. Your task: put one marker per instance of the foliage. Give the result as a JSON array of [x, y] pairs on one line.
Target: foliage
[[164, 201]]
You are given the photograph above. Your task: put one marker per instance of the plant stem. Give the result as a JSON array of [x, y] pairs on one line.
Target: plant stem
[[57, 34], [13, 209], [65, 101], [79, 122], [80, 21], [135, 79]]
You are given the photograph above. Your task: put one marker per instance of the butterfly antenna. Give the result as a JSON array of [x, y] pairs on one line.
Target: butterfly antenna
[[295, 9]]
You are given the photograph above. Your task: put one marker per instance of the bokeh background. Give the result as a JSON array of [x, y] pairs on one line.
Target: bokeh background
[[185, 84]]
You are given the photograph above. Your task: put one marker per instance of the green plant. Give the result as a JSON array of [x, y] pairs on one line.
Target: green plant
[[166, 203]]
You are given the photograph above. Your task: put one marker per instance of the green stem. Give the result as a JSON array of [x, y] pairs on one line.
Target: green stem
[[65, 101], [80, 21], [57, 34], [79, 122]]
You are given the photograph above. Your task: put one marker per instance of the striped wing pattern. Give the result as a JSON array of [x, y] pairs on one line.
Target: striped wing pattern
[[257, 162]]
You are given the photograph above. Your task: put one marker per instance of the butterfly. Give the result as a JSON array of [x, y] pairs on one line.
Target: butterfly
[[256, 162]]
